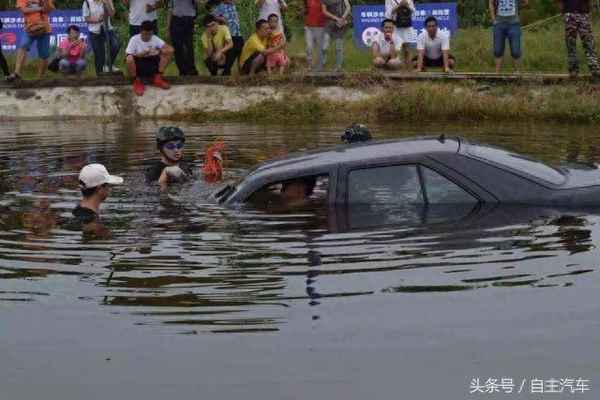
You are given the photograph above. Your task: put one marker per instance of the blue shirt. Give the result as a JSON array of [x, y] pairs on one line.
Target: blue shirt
[[229, 12]]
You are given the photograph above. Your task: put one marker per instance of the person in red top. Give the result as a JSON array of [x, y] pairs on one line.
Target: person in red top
[[314, 33], [71, 51], [37, 29]]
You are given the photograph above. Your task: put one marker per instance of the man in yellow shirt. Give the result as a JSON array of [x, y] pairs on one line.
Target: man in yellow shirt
[[217, 42], [255, 51]]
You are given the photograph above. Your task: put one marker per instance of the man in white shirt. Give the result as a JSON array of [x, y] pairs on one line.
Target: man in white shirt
[[147, 57], [433, 48], [387, 48], [140, 11], [401, 12]]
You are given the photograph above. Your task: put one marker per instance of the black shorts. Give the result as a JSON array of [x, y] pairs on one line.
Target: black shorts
[[146, 67], [247, 67], [434, 62]]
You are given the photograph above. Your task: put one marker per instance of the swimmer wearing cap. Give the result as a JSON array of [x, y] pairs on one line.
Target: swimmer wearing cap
[[95, 183], [170, 142]]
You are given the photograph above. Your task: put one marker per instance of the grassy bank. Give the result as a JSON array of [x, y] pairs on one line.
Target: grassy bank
[[543, 51], [427, 101]]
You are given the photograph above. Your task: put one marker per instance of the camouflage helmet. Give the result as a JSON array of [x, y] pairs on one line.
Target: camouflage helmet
[[356, 133], [167, 134]]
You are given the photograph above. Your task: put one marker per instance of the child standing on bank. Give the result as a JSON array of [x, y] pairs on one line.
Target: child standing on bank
[[277, 42]]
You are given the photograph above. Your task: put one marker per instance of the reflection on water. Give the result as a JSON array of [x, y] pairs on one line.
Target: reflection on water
[[179, 260]]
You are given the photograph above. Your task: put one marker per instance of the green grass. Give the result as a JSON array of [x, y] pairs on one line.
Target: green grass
[[426, 101], [543, 51]]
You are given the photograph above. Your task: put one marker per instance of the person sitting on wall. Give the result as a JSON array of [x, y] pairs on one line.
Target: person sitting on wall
[[433, 48], [255, 51], [217, 43], [277, 43], [147, 57], [386, 50], [72, 52]]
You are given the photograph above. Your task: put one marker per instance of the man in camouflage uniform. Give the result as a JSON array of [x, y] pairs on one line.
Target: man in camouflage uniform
[[577, 17]]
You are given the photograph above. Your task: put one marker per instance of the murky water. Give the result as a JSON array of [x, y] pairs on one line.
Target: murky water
[[190, 298]]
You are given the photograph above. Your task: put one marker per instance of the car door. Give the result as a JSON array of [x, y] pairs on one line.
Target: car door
[[400, 191]]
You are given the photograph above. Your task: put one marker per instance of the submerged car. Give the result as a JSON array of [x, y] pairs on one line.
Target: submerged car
[[418, 172]]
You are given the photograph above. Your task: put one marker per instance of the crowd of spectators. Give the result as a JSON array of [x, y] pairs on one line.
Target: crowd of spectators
[[147, 54]]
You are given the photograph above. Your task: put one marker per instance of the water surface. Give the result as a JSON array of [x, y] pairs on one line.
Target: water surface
[[189, 298]]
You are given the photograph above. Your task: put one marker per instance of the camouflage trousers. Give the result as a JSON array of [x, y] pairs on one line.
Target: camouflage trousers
[[580, 25]]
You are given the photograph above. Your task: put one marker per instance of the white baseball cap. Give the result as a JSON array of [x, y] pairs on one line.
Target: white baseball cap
[[93, 175]]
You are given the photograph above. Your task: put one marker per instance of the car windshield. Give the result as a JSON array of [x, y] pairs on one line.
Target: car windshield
[[517, 162]]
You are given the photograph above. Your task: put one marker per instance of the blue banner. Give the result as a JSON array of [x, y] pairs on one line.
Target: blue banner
[[367, 21], [14, 24]]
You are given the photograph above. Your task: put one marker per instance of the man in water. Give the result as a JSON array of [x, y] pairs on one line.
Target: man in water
[[95, 182], [170, 141], [296, 192]]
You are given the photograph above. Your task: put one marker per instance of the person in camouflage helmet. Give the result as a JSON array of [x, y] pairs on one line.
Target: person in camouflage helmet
[[577, 18], [170, 142]]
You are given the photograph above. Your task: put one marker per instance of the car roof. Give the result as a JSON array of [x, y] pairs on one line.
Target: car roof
[[462, 158], [359, 152]]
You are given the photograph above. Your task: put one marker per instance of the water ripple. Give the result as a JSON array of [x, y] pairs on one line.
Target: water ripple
[[178, 260]]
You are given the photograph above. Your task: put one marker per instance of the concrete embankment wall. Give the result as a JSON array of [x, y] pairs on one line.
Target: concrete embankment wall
[[106, 101], [366, 97]]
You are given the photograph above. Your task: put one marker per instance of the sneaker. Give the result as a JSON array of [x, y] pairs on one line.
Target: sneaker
[[158, 81], [13, 78], [114, 69], [138, 87]]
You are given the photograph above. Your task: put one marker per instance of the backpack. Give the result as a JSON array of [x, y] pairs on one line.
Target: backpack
[[404, 17]]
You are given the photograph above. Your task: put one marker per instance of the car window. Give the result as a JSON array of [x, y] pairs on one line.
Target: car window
[[440, 190], [517, 162], [387, 186], [301, 192]]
